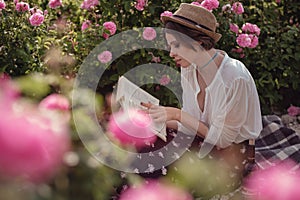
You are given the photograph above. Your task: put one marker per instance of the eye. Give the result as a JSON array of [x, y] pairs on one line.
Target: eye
[[176, 44]]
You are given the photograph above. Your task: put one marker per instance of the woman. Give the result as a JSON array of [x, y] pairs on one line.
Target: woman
[[220, 100]]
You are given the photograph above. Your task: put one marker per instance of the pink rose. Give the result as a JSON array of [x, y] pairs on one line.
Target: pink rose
[[254, 41], [226, 8], [111, 27], [36, 19], [243, 40], [55, 3], [88, 4], [238, 8], [149, 33], [164, 80], [22, 6], [166, 13], [55, 102], [9, 91], [155, 190], [140, 4], [105, 57], [275, 183], [251, 28], [234, 28], [293, 110], [86, 24], [2, 5], [131, 127], [32, 143], [210, 4], [196, 3]]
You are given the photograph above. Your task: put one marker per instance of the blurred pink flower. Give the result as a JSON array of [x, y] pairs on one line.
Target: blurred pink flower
[[111, 27], [166, 13], [210, 4], [254, 41], [243, 40], [22, 6], [251, 28], [88, 4], [149, 33], [278, 1], [55, 3], [164, 80], [234, 28], [105, 57], [237, 8], [32, 143], [131, 127], [2, 5], [55, 102], [275, 183], [86, 24], [293, 110], [155, 190], [140, 5], [9, 92]]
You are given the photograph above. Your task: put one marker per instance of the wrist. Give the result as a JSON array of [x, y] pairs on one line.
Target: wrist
[[177, 115]]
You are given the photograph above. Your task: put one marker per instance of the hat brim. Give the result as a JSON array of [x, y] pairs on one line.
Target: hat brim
[[215, 36]]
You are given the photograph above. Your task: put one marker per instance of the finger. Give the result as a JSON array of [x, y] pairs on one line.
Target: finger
[[147, 105]]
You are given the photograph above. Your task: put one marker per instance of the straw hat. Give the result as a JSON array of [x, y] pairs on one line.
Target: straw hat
[[195, 17]]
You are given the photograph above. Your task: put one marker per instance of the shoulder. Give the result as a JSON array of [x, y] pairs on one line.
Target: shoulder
[[233, 70]]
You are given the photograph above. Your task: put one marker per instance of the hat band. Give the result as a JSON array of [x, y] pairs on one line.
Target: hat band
[[193, 22]]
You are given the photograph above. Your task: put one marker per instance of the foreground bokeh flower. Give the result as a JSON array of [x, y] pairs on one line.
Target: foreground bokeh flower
[[275, 183], [32, 142], [155, 190], [55, 102], [131, 127]]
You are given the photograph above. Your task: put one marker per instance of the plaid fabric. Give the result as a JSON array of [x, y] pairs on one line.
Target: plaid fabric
[[276, 143]]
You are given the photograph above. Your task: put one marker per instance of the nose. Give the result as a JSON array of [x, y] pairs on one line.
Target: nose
[[172, 53]]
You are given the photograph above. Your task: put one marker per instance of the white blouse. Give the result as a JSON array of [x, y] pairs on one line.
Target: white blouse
[[231, 109]]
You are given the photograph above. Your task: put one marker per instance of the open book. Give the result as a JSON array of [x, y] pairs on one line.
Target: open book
[[129, 95]]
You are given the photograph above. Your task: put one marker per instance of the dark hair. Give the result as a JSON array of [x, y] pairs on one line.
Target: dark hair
[[207, 42]]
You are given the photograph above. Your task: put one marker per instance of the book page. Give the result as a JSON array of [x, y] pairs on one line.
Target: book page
[[130, 95]]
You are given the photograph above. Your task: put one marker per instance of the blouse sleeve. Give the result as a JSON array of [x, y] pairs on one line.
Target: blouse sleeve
[[229, 113]]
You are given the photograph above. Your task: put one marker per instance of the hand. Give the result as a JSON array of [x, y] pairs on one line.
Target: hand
[[162, 113]]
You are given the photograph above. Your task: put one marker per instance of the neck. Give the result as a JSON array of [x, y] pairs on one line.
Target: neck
[[209, 61]]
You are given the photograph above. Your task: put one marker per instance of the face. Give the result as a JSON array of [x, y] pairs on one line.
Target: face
[[179, 52]]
